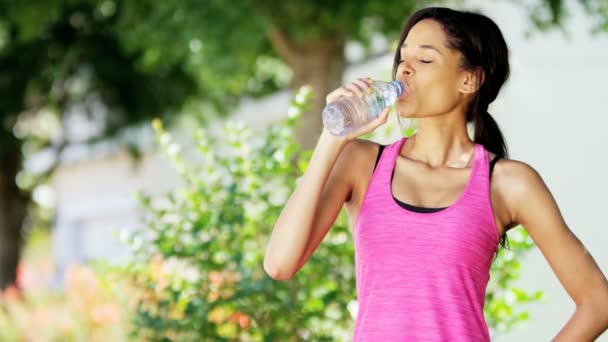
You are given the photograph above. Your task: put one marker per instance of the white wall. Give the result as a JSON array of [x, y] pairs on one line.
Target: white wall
[[96, 200]]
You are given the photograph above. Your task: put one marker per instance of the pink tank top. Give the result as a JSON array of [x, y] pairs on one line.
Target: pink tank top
[[423, 276]]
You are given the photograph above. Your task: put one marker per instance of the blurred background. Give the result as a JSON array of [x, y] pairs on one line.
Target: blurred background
[[148, 148]]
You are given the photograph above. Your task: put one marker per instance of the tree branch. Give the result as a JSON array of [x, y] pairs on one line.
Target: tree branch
[[282, 44]]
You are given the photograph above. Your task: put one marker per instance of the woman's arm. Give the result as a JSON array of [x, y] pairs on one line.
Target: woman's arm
[[313, 206], [325, 186], [534, 207]]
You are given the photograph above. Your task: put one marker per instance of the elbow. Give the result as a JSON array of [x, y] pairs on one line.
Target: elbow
[[602, 297], [603, 307], [275, 272], [598, 304]]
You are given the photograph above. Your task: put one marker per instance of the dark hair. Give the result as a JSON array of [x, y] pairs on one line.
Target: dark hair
[[482, 46]]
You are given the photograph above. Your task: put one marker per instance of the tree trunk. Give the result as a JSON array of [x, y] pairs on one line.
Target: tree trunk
[[13, 207], [321, 65]]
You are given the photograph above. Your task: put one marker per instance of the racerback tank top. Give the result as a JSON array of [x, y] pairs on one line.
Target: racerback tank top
[[423, 276]]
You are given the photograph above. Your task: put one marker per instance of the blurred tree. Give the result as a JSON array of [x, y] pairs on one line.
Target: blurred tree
[[143, 58], [57, 58], [547, 15], [304, 38]]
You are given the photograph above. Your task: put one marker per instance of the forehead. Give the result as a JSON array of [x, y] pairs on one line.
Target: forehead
[[427, 31]]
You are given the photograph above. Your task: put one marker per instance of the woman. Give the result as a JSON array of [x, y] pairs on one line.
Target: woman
[[429, 212]]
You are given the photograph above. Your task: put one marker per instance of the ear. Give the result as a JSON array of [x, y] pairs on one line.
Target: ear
[[472, 81]]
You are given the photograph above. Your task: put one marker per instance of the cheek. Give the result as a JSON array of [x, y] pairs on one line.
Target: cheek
[[436, 97], [435, 93], [441, 97]]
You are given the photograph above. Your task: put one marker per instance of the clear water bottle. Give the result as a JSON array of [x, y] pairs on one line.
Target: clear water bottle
[[352, 112]]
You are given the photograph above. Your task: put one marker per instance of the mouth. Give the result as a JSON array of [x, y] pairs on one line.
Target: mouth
[[406, 89]]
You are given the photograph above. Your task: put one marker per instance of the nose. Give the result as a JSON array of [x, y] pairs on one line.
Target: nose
[[406, 70]]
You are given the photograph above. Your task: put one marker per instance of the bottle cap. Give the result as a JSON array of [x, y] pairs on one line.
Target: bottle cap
[[401, 88]]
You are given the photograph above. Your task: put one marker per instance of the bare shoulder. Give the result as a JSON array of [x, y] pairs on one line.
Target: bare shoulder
[[351, 165], [362, 150], [361, 155], [513, 181], [364, 156], [517, 177]]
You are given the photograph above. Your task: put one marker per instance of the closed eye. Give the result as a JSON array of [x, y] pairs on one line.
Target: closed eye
[[421, 61]]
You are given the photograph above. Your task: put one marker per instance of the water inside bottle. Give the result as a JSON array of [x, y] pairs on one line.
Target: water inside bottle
[[381, 98]]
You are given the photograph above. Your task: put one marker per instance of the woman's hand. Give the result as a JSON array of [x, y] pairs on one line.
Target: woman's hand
[[360, 87]]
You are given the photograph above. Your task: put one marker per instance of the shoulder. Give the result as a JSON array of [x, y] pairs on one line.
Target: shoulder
[[362, 151], [361, 155], [518, 183], [355, 155], [520, 177]]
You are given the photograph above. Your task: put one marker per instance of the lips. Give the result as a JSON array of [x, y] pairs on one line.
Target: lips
[[406, 89]]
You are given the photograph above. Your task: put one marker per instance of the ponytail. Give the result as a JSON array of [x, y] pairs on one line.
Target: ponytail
[[488, 134]]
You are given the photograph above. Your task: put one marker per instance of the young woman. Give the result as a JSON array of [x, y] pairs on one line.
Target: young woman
[[428, 212]]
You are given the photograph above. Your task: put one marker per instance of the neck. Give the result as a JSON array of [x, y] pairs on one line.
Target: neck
[[440, 141]]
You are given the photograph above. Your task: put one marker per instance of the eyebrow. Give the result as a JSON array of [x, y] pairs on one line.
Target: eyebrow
[[424, 46]]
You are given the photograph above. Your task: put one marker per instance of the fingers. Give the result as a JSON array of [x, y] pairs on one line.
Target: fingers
[[380, 119], [338, 93], [359, 87], [372, 125], [383, 116], [385, 113], [354, 89], [364, 85]]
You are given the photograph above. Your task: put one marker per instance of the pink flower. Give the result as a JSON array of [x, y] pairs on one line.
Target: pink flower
[[242, 319], [80, 279], [11, 293], [40, 317], [216, 278], [105, 313]]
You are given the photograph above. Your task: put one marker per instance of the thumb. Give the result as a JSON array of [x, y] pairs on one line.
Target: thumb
[[380, 119], [383, 117]]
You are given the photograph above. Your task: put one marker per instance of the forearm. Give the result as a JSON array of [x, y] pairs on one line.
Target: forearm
[[587, 323], [292, 230]]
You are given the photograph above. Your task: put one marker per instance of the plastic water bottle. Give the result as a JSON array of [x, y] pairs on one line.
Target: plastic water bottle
[[352, 112]]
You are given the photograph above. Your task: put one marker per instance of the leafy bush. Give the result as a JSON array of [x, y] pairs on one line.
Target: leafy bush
[[197, 269]]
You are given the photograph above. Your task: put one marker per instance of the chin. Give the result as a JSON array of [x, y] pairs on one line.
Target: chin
[[405, 110], [406, 115]]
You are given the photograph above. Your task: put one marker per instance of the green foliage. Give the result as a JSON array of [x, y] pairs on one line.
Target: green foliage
[[62, 61], [356, 21], [197, 271], [59, 55], [224, 47], [546, 15], [503, 309], [207, 238]]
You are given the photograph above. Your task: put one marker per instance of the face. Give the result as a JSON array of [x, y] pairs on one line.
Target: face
[[432, 72]]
